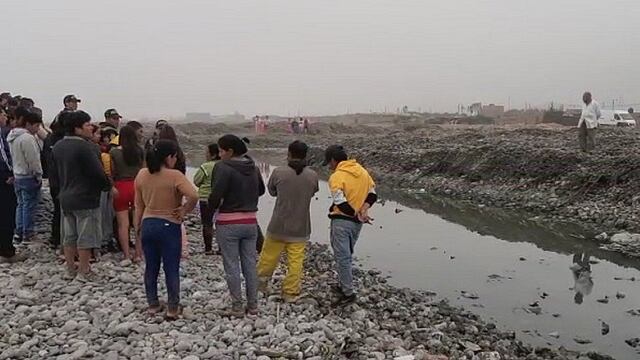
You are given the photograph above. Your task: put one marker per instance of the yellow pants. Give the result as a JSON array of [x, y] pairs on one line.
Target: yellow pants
[[270, 256]]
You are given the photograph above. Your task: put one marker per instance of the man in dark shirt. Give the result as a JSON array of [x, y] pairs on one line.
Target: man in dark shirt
[[81, 178]]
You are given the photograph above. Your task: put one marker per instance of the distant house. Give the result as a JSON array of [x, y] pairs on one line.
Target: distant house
[[196, 116], [492, 111]]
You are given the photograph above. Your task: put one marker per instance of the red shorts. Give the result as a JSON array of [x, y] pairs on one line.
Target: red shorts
[[126, 195]]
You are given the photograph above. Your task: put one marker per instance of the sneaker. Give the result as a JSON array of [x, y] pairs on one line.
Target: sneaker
[[252, 311], [291, 299], [337, 289], [17, 240], [344, 300], [69, 274], [13, 259], [89, 277]]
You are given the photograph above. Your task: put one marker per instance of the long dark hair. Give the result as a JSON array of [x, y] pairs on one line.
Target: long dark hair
[[131, 151], [168, 133], [214, 151], [159, 152]]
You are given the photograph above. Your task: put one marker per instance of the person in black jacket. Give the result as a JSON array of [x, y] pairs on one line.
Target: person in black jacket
[[236, 187], [81, 178], [57, 133]]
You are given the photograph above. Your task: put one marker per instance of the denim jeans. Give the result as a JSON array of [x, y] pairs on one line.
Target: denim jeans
[[28, 194], [161, 243], [238, 245], [344, 234]]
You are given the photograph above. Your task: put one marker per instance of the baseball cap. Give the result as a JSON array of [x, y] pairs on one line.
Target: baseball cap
[[335, 152], [111, 113], [160, 123], [70, 98]]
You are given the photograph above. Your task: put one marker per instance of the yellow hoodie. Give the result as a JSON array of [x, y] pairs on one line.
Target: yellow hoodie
[[350, 183]]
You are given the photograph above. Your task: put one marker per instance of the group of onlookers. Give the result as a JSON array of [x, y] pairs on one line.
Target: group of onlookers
[[106, 172]]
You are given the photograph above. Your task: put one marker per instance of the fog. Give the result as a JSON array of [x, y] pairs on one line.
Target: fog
[[164, 58]]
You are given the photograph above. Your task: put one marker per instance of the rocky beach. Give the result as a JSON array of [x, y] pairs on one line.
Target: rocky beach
[[47, 317]]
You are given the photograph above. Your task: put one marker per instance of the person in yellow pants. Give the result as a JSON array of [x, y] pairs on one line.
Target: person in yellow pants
[[289, 230]]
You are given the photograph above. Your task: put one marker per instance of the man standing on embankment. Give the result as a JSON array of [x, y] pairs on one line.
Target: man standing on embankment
[[588, 123]]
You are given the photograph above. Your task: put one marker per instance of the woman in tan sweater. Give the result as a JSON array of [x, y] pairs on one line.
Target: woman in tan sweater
[[160, 191]]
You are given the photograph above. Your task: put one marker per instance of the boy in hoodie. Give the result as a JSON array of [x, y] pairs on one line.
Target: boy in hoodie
[[27, 171], [202, 179], [353, 193], [293, 186]]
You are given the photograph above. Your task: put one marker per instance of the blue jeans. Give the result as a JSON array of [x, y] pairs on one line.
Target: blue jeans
[[238, 245], [28, 194], [344, 234], [162, 243]]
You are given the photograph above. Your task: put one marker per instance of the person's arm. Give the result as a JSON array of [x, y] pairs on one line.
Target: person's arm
[[339, 198], [93, 168], [372, 197], [31, 152], [261, 187], [188, 191], [272, 185], [198, 178], [597, 110], [317, 188], [219, 185], [140, 206]]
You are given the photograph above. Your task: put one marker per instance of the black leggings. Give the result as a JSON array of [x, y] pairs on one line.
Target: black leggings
[[8, 205]]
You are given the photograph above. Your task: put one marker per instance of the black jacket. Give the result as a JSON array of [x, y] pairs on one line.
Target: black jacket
[[79, 174], [236, 186]]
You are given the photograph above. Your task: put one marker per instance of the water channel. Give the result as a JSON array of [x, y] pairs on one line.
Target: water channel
[[511, 271]]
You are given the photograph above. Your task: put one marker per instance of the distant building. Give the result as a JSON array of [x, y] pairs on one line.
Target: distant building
[[196, 116], [492, 111]]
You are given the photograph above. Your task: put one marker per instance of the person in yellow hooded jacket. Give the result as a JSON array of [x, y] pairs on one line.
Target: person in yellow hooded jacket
[[353, 193]]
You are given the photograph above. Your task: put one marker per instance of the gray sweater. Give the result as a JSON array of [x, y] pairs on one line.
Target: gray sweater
[[25, 152], [291, 220]]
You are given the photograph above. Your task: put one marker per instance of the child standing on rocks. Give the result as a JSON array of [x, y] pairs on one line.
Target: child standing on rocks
[[202, 179], [294, 186], [159, 194], [237, 185], [353, 193]]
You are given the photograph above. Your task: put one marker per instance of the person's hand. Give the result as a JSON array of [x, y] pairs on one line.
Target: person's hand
[[114, 192], [363, 214], [180, 213], [11, 180]]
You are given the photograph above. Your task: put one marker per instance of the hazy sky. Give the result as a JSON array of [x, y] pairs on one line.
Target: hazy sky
[[166, 57]]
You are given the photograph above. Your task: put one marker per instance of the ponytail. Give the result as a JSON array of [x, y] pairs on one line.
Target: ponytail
[[158, 153]]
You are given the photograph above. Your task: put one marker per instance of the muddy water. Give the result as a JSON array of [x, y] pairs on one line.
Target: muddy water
[[510, 271]]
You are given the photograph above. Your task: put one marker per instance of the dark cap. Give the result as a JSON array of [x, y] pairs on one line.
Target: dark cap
[[334, 152], [111, 113], [69, 98], [160, 123]]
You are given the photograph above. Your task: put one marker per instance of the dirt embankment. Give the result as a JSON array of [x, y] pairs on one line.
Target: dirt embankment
[[537, 170]]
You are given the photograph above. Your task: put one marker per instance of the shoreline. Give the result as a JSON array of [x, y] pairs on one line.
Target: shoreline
[[50, 317]]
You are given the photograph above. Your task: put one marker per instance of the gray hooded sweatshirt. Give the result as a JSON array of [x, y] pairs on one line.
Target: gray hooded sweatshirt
[[25, 153]]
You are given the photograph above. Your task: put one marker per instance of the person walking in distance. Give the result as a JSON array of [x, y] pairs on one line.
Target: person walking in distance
[[159, 192], [126, 161], [79, 173], [588, 123], [202, 179], [237, 185], [353, 193], [27, 172], [293, 186], [7, 196]]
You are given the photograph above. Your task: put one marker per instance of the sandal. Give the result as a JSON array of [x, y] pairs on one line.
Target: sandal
[[170, 317], [155, 310]]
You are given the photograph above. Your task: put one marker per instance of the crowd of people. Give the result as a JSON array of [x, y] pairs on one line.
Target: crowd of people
[[107, 182]]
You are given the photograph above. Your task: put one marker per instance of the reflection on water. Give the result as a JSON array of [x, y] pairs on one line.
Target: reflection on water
[[531, 278]]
